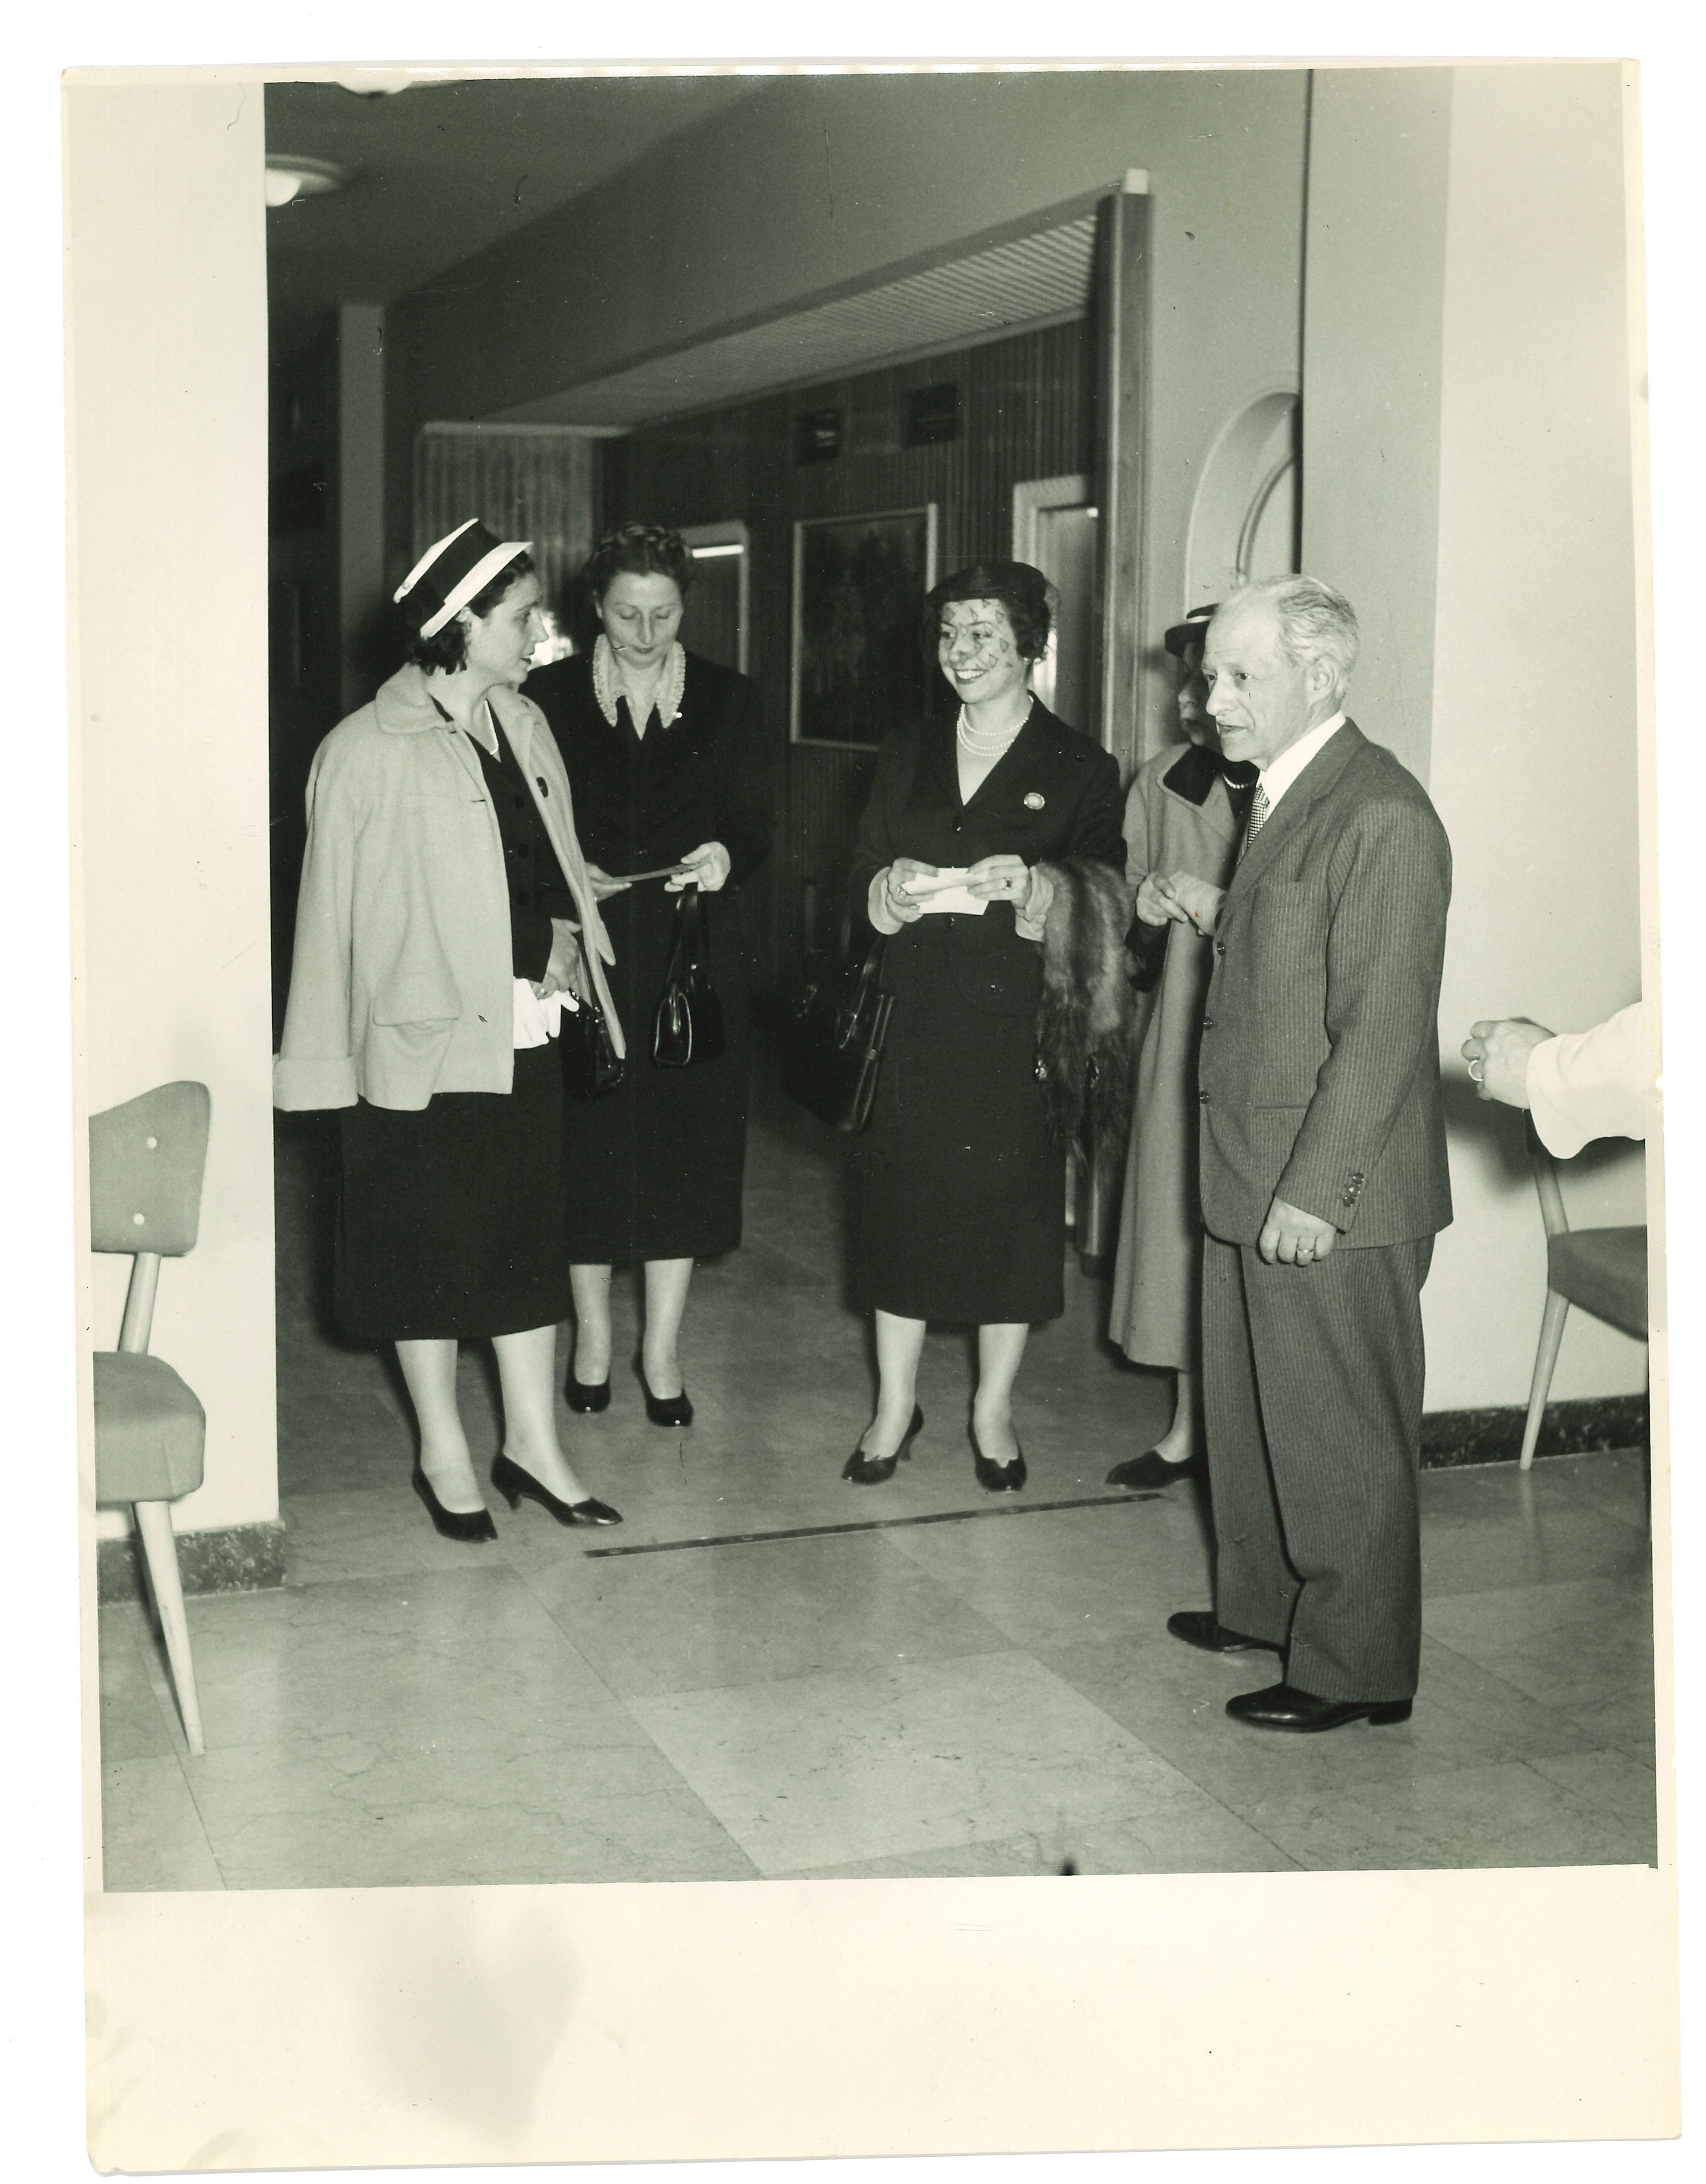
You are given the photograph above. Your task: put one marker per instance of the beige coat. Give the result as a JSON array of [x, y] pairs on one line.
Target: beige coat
[[1179, 817], [401, 981]]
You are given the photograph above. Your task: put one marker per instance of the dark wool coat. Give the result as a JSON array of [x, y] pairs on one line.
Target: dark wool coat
[[959, 1186], [657, 1165]]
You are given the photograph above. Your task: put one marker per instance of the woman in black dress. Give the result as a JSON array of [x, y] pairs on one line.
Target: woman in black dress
[[961, 1189], [445, 910], [666, 753]]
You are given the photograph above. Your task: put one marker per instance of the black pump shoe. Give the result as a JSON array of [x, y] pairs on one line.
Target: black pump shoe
[[585, 1395], [871, 1470], [466, 1524], [997, 1478], [666, 1410], [512, 1482], [1151, 1473]]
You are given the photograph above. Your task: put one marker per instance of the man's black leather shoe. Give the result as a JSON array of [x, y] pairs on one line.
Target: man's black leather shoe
[[1199, 1627], [1280, 1707]]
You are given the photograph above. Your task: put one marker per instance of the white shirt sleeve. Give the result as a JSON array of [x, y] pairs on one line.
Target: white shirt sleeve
[[1597, 1084]]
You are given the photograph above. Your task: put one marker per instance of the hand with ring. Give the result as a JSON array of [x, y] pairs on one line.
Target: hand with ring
[[1497, 1050], [998, 879], [1292, 1238]]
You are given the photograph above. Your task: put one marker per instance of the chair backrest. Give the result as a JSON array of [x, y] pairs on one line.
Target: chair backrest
[[1553, 1219], [146, 1160]]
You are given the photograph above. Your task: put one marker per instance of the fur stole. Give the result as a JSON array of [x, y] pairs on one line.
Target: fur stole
[[1087, 1022]]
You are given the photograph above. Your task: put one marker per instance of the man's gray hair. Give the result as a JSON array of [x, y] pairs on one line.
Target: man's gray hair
[[1316, 623]]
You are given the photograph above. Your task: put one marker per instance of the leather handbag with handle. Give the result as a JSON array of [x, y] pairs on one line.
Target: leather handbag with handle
[[834, 1044], [591, 1064], [688, 1027]]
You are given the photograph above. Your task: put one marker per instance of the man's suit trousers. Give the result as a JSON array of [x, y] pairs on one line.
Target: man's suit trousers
[[1312, 1404]]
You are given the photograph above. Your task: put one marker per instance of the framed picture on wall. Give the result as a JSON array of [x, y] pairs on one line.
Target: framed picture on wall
[[859, 664]]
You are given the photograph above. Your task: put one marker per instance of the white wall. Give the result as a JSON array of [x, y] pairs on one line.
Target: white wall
[[167, 395], [1534, 767], [1374, 284]]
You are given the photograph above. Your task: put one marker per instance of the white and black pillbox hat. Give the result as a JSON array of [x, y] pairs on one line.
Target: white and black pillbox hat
[[455, 571]]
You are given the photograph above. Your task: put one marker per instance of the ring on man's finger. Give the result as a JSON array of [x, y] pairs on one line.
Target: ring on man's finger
[[1478, 1073]]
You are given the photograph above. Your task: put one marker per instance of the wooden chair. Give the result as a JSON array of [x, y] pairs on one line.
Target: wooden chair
[[1602, 1270], [146, 1160]]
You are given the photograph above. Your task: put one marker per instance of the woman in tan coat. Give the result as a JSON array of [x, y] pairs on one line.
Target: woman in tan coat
[[1183, 820], [445, 914]]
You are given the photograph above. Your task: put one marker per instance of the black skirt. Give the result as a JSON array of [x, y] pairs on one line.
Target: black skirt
[[960, 1192], [451, 1220], [659, 1163]]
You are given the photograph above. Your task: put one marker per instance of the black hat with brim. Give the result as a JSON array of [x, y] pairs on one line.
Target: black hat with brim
[[1193, 629]]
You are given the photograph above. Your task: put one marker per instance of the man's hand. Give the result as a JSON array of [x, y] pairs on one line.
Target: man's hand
[[1502, 1045], [707, 867], [1157, 903], [1200, 902], [1293, 1237]]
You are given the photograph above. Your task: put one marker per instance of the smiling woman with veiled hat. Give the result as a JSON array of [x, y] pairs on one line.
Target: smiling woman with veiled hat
[[445, 919]]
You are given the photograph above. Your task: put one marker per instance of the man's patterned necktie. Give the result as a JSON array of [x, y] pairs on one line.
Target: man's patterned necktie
[[1258, 817]]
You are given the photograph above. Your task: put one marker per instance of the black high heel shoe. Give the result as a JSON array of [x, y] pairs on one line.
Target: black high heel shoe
[[871, 1470], [665, 1410], [512, 1482], [467, 1524], [585, 1395], [997, 1478]]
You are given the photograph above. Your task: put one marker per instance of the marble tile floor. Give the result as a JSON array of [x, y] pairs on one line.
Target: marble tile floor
[[914, 1680]]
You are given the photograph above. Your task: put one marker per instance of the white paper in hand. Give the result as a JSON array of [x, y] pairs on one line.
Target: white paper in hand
[[946, 890]]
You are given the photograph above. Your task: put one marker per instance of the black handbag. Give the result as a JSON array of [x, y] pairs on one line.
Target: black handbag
[[688, 1027], [591, 1064], [835, 1044]]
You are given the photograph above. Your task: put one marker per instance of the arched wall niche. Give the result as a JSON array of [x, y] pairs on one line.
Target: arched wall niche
[[1245, 516]]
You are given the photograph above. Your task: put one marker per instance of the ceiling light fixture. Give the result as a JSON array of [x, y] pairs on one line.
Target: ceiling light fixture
[[376, 83], [288, 177]]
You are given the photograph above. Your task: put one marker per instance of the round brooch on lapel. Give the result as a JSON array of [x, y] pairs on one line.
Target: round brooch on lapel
[[1034, 800]]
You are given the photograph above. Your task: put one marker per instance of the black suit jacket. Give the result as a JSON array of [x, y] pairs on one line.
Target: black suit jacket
[[705, 778], [1054, 794], [1319, 1071]]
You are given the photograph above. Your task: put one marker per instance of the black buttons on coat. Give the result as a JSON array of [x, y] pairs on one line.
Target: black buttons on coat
[[1203, 1097]]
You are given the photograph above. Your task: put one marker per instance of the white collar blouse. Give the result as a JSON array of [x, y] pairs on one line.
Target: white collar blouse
[[608, 690]]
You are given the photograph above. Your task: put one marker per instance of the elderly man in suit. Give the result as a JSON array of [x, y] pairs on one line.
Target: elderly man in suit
[[1323, 1172]]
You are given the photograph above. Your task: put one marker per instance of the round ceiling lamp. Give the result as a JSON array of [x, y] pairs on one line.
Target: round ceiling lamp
[[376, 83], [288, 178]]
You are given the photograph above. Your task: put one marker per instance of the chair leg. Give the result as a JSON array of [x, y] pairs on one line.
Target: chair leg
[[1545, 1358], [154, 1522]]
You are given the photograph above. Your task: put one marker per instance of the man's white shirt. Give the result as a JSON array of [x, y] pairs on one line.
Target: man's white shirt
[[1285, 769]]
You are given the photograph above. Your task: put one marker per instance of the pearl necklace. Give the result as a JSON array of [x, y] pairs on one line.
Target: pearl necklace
[[986, 742]]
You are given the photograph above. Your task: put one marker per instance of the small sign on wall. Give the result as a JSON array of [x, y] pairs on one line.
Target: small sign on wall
[[817, 436], [933, 415]]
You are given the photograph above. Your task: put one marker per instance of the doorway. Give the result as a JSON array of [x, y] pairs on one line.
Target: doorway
[[1055, 529]]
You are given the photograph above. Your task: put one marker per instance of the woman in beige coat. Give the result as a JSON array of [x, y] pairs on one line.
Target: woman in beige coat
[[1183, 820], [445, 920]]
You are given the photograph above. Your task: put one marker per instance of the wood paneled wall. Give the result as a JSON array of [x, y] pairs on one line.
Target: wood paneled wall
[[1025, 405]]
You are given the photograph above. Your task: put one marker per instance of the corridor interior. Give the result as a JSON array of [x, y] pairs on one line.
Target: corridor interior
[[767, 1672]]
